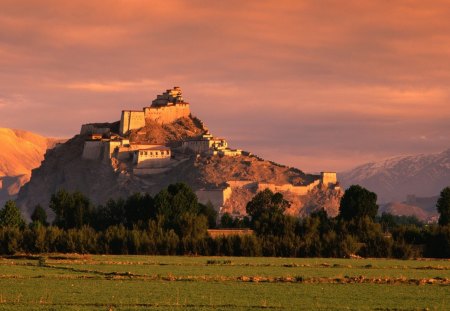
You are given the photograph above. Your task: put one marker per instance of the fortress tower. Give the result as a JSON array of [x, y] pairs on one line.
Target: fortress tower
[[166, 108]]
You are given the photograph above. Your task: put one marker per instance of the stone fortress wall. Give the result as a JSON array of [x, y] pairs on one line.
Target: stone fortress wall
[[218, 197], [167, 114], [166, 108], [329, 178], [131, 120]]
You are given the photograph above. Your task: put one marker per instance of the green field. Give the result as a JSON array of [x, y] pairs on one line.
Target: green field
[[76, 282]]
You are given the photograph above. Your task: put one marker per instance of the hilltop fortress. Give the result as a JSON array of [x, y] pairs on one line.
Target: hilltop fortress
[[166, 108], [130, 149]]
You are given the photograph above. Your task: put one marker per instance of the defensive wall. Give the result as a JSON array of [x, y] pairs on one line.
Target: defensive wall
[[217, 197], [131, 120], [166, 108], [299, 190], [328, 178], [90, 129], [167, 114]]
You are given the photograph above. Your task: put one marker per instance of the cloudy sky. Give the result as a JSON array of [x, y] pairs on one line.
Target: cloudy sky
[[320, 85]]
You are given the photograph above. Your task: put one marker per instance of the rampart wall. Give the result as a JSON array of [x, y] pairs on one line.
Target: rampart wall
[[131, 120], [167, 114], [89, 129], [154, 163], [328, 178], [217, 197], [242, 183], [299, 190]]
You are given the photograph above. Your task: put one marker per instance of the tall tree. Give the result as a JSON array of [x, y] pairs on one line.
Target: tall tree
[[443, 207], [175, 200], [39, 215], [266, 210], [358, 202], [10, 216], [72, 210]]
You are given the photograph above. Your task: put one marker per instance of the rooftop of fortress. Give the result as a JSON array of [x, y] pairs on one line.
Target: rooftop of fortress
[[169, 97]]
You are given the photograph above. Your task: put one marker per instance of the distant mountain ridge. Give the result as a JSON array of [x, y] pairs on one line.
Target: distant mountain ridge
[[21, 152], [423, 175], [394, 179]]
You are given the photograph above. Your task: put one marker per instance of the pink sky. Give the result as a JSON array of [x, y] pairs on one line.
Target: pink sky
[[320, 85]]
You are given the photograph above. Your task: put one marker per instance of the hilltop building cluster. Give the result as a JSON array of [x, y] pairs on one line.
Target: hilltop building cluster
[[146, 159], [208, 144]]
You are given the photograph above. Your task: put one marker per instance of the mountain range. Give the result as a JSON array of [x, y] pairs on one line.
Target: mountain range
[[404, 184], [22, 151]]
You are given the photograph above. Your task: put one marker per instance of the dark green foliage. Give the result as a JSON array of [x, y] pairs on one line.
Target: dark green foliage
[[266, 210], [210, 213], [176, 200], [10, 216], [227, 221], [266, 202], [389, 222], [111, 214], [443, 207], [39, 216], [174, 223], [358, 202], [138, 210], [72, 210]]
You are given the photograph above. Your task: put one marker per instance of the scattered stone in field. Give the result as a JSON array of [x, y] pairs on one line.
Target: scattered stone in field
[[244, 278]]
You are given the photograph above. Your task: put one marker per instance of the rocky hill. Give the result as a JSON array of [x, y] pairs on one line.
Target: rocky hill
[[21, 152], [108, 165]]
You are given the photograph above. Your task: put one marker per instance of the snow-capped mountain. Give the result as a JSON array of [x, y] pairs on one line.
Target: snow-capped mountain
[[423, 175]]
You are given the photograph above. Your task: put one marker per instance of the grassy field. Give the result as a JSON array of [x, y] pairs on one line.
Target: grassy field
[[76, 282]]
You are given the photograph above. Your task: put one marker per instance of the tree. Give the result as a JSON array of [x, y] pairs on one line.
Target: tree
[[443, 207], [210, 213], [39, 215], [266, 210], [139, 209], [174, 201], [266, 201], [358, 202], [10, 216], [72, 210]]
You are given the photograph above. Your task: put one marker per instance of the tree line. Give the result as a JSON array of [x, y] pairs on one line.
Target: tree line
[[173, 222]]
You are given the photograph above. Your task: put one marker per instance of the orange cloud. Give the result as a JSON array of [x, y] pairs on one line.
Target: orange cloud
[[110, 86], [271, 69]]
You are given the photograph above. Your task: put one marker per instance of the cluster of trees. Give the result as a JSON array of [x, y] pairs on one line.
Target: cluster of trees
[[174, 222]]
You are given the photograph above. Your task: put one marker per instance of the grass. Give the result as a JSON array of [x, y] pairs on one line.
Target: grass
[[75, 282]]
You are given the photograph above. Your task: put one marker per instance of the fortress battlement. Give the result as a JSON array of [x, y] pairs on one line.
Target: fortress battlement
[[166, 108]]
